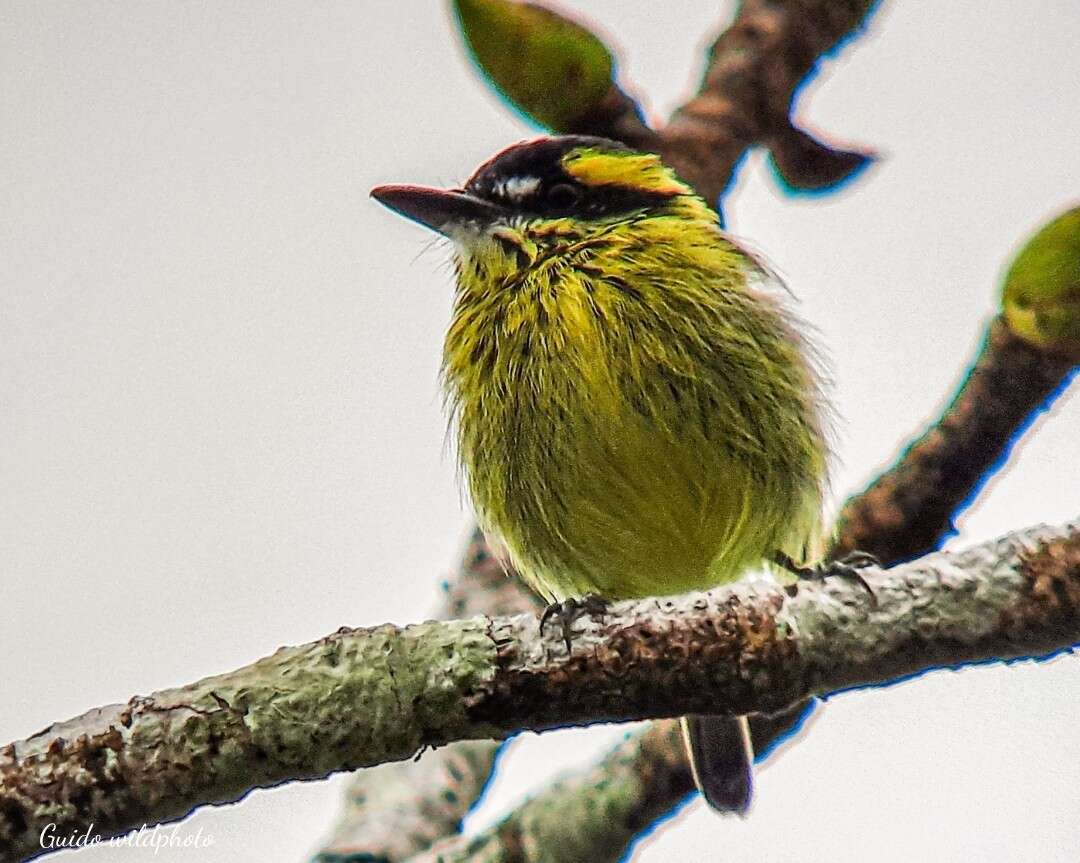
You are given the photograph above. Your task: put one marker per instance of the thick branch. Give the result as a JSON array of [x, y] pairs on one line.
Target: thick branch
[[363, 697], [394, 810]]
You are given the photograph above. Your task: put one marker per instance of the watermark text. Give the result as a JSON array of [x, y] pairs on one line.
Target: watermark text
[[156, 837]]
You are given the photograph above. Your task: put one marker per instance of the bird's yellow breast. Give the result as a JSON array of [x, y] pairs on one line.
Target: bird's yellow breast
[[632, 416]]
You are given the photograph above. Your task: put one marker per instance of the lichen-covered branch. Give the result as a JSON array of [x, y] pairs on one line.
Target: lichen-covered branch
[[598, 814], [352, 699], [366, 696], [394, 810]]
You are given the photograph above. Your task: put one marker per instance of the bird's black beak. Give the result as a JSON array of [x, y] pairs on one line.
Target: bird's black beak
[[438, 209]]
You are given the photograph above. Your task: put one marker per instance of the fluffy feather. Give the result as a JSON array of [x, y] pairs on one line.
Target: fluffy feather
[[634, 413]]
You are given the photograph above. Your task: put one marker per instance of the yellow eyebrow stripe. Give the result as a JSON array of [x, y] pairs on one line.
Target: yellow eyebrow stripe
[[642, 171]]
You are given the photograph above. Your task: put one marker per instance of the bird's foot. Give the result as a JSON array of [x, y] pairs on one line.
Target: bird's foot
[[846, 567], [570, 610]]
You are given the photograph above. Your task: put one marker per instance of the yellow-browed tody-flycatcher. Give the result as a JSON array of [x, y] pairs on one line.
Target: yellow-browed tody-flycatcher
[[635, 412]]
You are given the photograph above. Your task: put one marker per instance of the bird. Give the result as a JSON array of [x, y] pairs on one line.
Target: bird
[[636, 410]]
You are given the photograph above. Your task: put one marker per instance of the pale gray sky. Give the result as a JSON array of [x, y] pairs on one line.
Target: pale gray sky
[[221, 424]]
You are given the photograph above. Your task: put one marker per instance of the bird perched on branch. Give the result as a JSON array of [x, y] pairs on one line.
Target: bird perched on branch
[[636, 413]]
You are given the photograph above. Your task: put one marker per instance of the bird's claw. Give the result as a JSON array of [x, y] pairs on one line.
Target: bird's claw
[[859, 559], [846, 567], [569, 610]]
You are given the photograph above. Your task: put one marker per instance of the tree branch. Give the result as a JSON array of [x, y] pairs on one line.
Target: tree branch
[[598, 814], [366, 696], [755, 69], [909, 510], [396, 809], [623, 793]]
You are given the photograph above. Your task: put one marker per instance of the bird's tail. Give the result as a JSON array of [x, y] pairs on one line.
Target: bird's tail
[[721, 757]]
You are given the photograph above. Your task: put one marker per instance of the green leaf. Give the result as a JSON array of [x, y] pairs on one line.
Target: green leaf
[[1041, 295], [550, 68]]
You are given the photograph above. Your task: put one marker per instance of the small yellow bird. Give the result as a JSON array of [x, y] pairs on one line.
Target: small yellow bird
[[636, 413]]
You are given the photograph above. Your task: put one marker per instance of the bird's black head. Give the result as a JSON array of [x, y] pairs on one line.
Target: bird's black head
[[532, 178], [572, 176]]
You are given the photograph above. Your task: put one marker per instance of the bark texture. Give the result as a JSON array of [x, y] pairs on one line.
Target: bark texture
[[366, 696], [393, 810]]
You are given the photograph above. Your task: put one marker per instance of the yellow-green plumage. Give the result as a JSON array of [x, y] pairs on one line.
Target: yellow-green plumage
[[634, 415]]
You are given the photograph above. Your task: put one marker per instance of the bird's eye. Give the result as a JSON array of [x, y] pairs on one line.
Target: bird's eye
[[563, 196]]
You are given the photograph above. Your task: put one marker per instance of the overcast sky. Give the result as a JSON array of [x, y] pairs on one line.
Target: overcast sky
[[221, 430]]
